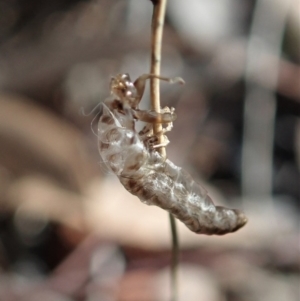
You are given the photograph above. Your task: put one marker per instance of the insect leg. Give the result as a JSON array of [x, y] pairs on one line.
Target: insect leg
[[150, 116], [147, 131], [140, 82], [164, 144], [169, 126], [166, 116], [150, 140], [146, 134]]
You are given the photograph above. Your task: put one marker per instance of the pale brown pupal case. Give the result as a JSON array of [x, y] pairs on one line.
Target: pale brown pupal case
[[144, 172]]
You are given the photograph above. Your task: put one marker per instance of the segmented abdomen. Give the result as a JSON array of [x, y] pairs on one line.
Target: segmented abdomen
[[156, 181]]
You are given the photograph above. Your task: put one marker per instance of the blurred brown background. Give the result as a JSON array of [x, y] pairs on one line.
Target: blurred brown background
[[68, 229]]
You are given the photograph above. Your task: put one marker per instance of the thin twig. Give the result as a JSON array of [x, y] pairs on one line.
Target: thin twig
[[159, 10]]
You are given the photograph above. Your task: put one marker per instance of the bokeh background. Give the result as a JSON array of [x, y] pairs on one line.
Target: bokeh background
[[68, 229]]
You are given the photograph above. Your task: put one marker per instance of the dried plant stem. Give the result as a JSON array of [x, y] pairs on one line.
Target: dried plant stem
[[175, 259], [159, 10]]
